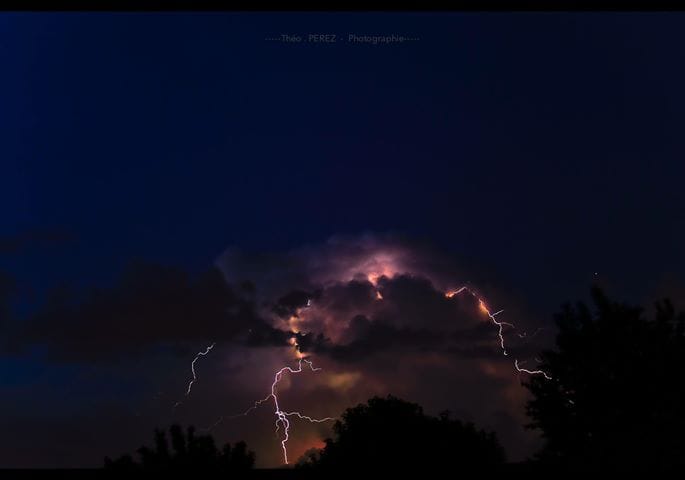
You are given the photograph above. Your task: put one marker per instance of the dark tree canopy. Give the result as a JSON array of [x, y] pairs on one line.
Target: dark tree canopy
[[389, 433], [617, 396], [188, 452]]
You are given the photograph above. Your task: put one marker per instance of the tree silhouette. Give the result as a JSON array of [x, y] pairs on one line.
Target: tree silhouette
[[618, 390], [389, 433], [190, 452]]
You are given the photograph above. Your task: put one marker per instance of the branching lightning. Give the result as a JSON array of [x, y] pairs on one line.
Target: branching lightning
[[500, 328], [283, 417]]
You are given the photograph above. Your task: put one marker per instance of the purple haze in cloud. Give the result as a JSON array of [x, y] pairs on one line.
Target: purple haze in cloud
[[370, 310]]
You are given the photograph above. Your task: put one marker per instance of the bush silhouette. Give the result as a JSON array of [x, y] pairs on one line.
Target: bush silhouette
[[190, 452], [618, 389], [389, 433]]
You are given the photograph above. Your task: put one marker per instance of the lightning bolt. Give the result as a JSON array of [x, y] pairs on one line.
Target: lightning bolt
[[192, 366], [192, 369], [531, 372], [256, 405], [282, 420], [500, 328], [283, 417]]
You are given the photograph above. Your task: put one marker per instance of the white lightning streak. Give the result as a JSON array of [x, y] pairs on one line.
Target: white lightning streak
[[531, 372], [281, 416], [192, 367], [500, 328]]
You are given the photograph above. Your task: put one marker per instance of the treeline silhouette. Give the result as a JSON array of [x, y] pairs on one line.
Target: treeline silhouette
[[188, 452], [391, 433], [615, 402], [617, 392]]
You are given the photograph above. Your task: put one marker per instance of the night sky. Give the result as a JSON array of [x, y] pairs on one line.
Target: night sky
[[171, 180]]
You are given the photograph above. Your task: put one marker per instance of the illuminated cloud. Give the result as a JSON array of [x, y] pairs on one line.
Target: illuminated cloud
[[371, 311]]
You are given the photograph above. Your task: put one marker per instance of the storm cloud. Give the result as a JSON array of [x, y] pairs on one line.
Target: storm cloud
[[371, 311], [149, 306]]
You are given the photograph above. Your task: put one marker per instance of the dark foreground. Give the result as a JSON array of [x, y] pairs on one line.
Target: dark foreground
[[511, 470]]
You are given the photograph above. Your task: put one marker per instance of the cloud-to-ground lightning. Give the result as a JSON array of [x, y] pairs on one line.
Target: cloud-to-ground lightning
[[283, 417]]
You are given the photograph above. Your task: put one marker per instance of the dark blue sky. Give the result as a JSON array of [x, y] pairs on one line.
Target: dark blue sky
[[544, 144], [541, 147], [547, 145]]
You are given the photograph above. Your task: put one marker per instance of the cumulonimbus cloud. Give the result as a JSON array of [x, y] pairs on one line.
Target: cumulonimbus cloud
[[348, 298], [353, 296], [371, 310]]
